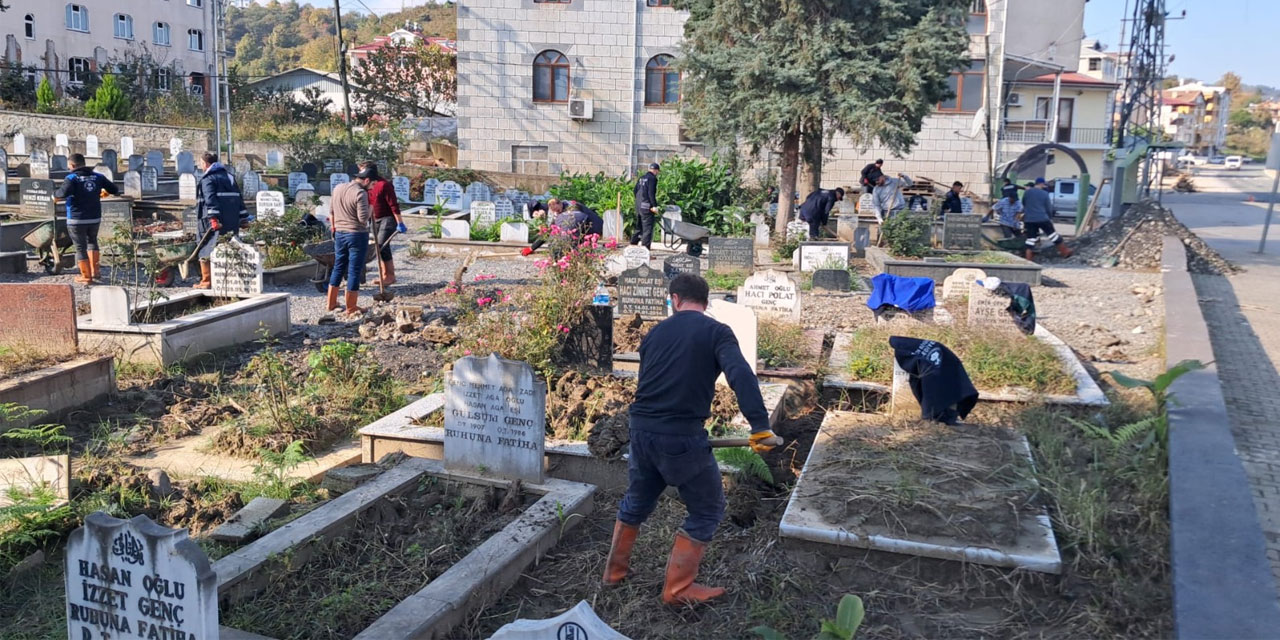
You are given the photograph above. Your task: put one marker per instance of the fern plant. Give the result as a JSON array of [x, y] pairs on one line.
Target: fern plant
[[274, 469], [849, 616], [746, 462], [1154, 429]]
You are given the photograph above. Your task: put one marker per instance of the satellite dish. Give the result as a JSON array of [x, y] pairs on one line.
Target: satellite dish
[[979, 119]]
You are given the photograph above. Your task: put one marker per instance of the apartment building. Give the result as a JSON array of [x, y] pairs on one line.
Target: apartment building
[[67, 41], [1210, 132], [589, 85], [1182, 117]]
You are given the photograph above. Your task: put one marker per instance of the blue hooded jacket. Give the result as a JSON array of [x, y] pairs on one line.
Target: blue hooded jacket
[[83, 193], [217, 196]]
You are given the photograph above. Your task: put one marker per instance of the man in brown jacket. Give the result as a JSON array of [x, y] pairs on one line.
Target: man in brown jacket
[[349, 216]]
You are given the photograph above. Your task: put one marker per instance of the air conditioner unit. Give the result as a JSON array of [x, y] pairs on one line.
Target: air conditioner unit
[[1015, 99], [580, 108]]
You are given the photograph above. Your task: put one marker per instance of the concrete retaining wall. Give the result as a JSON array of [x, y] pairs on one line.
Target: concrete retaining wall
[[60, 388], [1222, 581], [1019, 271], [41, 130]]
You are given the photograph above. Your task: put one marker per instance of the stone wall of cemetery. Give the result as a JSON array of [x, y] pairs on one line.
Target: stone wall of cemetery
[[41, 129]]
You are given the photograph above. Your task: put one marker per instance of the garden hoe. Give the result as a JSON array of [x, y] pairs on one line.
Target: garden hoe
[[383, 295]]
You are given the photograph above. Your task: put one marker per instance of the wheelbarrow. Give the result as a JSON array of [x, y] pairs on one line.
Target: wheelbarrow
[[172, 260], [51, 241], [677, 233], [1014, 244], [323, 254]]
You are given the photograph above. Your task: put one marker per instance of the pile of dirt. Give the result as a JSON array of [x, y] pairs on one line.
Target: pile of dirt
[[1135, 240], [628, 332], [197, 506], [404, 324], [576, 401]]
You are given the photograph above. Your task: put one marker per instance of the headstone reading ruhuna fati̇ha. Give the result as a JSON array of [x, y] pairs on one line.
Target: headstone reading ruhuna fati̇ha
[[186, 188], [515, 232], [502, 209], [613, 226], [727, 255], [91, 146], [989, 310], [133, 184], [236, 270], [401, 186], [455, 229], [126, 146], [296, 179], [38, 318], [957, 284], [495, 419], [36, 197], [681, 263], [823, 255], [642, 291], [251, 184], [270, 204], [449, 194], [138, 579], [38, 163], [185, 162], [742, 320], [150, 179], [771, 293], [483, 214], [336, 179], [635, 255], [962, 231]]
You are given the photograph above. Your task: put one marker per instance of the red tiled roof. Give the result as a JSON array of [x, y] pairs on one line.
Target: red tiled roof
[[1072, 78]]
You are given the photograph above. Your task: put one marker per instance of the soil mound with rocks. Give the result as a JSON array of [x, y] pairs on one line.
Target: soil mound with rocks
[[1135, 240]]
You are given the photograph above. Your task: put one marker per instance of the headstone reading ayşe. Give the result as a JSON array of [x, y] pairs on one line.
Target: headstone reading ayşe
[[962, 231], [495, 419], [727, 255], [236, 270], [38, 317], [138, 579], [270, 204], [771, 293], [989, 310], [36, 197], [681, 263], [642, 291], [635, 255], [957, 284]]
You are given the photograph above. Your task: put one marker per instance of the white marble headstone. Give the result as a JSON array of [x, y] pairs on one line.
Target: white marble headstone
[[236, 270], [429, 189], [275, 159], [495, 419], [60, 140], [91, 146], [771, 293], [126, 146], [826, 255], [797, 229], [270, 204], [186, 188], [175, 147], [483, 214], [455, 229], [762, 235], [742, 320], [107, 172], [19, 144], [635, 255], [958, 283], [108, 306], [613, 226], [133, 184], [515, 232]]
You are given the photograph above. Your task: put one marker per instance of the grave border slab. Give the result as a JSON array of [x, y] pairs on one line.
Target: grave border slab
[[62, 387], [1020, 271]]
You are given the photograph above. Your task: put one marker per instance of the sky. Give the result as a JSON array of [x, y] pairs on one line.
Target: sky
[[1215, 37]]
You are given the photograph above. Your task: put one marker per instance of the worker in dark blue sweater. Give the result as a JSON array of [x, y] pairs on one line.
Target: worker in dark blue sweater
[[680, 359]]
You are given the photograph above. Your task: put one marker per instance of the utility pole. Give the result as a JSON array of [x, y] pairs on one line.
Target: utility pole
[[342, 68]]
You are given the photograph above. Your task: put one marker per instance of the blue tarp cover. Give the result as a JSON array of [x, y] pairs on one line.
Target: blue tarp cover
[[909, 294]]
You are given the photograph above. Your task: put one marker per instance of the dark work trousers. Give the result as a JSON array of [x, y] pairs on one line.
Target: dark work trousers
[[644, 235], [349, 249], [1008, 232], [815, 229], [85, 237], [1034, 229], [383, 228], [659, 460]]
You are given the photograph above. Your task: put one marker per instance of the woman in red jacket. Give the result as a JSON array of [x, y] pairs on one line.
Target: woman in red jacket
[[386, 219]]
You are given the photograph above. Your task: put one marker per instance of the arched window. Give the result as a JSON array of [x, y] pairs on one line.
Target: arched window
[[77, 18], [550, 77], [661, 81], [124, 26], [160, 33], [195, 39], [30, 26]]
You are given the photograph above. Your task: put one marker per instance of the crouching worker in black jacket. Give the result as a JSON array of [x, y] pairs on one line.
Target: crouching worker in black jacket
[[82, 191], [680, 359]]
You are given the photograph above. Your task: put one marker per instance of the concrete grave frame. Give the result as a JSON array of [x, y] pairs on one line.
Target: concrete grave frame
[[61, 387], [164, 343], [1019, 270], [478, 579], [1088, 393]]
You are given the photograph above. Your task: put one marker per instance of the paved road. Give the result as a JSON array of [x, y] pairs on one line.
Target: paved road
[[1243, 314]]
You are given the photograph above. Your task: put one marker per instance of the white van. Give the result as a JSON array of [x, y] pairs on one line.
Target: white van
[[1233, 162]]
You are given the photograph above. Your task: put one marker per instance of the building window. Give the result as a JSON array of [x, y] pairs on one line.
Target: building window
[[195, 3], [160, 33], [78, 70], [552, 1], [967, 85], [124, 26], [77, 18], [551, 77], [195, 39], [162, 79], [1095, 64], [661, 81], [531, 160], [659, 3], [646, 156], [29, 24], [977, 23], [196, 85]]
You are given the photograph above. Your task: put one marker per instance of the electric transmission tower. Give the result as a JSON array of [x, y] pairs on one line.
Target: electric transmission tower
[[1143, 79]]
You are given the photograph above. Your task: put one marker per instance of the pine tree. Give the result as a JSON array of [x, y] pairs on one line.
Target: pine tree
[[45, 98], [109, 102], [763, 72]]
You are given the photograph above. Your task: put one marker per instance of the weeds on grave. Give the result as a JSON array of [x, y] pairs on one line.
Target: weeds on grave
[[781, 344], [907, 234], [1153, 429], [787, 247], [33, 516], [273, 471], [982, 257], [491, 233], [282, 238], [849, 616], [724, 281]]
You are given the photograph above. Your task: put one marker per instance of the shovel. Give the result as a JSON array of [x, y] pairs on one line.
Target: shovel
[[743, 442], [383, 295]]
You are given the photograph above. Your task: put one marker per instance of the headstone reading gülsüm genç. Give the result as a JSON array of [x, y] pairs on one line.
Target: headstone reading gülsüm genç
[[495, 419]]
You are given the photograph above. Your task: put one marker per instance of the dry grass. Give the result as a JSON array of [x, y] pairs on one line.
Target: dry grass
[[781, 344], [16, 360]]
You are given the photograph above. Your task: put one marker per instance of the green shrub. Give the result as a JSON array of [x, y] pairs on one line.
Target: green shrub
[[907, 234], [46, 100], [781, 344], [109, 102]]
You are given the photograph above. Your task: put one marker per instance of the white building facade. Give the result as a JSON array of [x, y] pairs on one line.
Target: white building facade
[[66, 41], [521, 63]]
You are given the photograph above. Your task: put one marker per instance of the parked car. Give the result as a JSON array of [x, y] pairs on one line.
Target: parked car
[[1217, 160], [1233, 162], [1066, 194], [1192, 160]]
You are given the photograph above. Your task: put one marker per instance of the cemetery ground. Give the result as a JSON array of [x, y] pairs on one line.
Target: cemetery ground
[[326, 377]]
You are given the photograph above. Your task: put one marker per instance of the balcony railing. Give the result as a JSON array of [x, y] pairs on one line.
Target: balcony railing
[[1038, 131]]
